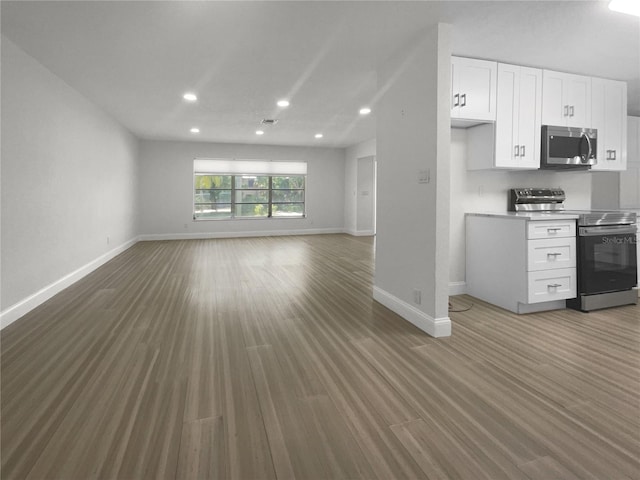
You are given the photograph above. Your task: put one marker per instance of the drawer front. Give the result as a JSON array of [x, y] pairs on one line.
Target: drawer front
[[548, 285], [551, 253], [552, 229]]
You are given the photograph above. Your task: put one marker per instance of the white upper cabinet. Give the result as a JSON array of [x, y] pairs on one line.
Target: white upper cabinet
[[566, 99], [633, 141], [473, 89], [630, 178], [518, 117], [609, 117], [507, 105]]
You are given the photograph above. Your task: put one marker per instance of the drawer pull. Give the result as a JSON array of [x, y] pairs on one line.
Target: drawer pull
[[554, 285], [553, 229], [554, 254]]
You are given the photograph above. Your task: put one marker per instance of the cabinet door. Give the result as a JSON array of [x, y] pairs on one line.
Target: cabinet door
[[630, 178], [615, 120], [553, 105], [597, 121], [579, 100], [633, 140], [455, 89], [475, 94], [507, 108], [566, 99], [529, 118], [608, 111]]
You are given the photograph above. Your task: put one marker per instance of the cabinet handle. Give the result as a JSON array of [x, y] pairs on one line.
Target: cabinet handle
[[522, 150], [613, 153], [608, 155], [456, 100], [553, 229], [516, 151], [566, 110], [554, 254], [571, 111], [463, 97], [554, 285]]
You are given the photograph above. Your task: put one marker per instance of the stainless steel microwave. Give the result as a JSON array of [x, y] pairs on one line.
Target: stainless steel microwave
[[568, 148]]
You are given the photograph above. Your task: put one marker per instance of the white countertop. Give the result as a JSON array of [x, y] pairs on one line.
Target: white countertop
[[530, 216]]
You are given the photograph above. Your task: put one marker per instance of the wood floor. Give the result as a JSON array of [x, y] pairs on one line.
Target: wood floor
[[267, 358]]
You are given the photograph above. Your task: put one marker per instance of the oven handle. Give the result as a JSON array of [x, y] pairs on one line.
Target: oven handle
[[606, 230]]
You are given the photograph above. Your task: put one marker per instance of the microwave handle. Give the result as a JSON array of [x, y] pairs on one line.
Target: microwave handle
[[588, 145]]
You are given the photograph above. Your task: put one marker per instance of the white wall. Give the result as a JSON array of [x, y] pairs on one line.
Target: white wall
[[166, 190], [486, 190], [412, 230], [69, 177], [605, 190], [352, 154]]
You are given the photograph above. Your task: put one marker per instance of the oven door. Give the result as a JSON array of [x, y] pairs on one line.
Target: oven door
[[607, 258]]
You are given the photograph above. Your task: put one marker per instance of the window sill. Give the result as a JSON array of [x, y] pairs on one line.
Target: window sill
[[235, 219]]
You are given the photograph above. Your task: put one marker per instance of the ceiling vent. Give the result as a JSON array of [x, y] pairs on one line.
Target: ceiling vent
[[269, 121]]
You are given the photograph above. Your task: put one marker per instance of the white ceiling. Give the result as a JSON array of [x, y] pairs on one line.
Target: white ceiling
[[136, 59]]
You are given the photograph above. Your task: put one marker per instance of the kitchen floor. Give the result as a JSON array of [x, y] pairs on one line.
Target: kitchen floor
[[267, 358]]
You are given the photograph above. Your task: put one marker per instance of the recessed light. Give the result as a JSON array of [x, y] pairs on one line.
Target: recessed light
[[631, 7], [195, 130], [259, 132], [365, 111], [283, 103], [190, 97], [319, 135]]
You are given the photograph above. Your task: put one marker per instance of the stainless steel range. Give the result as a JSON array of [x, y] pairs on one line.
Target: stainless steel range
[[606, 248]]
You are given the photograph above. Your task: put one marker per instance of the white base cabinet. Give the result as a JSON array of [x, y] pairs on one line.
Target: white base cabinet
[[519, 264]]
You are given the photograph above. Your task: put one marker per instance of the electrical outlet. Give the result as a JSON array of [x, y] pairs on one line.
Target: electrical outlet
[[424, 176], [417, 297]]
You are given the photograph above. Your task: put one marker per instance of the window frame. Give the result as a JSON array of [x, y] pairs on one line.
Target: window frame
[[234, 203]]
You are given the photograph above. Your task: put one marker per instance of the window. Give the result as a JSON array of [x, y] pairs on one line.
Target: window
[[248, 189]]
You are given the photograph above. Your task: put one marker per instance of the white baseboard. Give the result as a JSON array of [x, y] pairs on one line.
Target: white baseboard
[[436, 327], [258, 233], [17, 310], [361, 233], [457, 288]]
